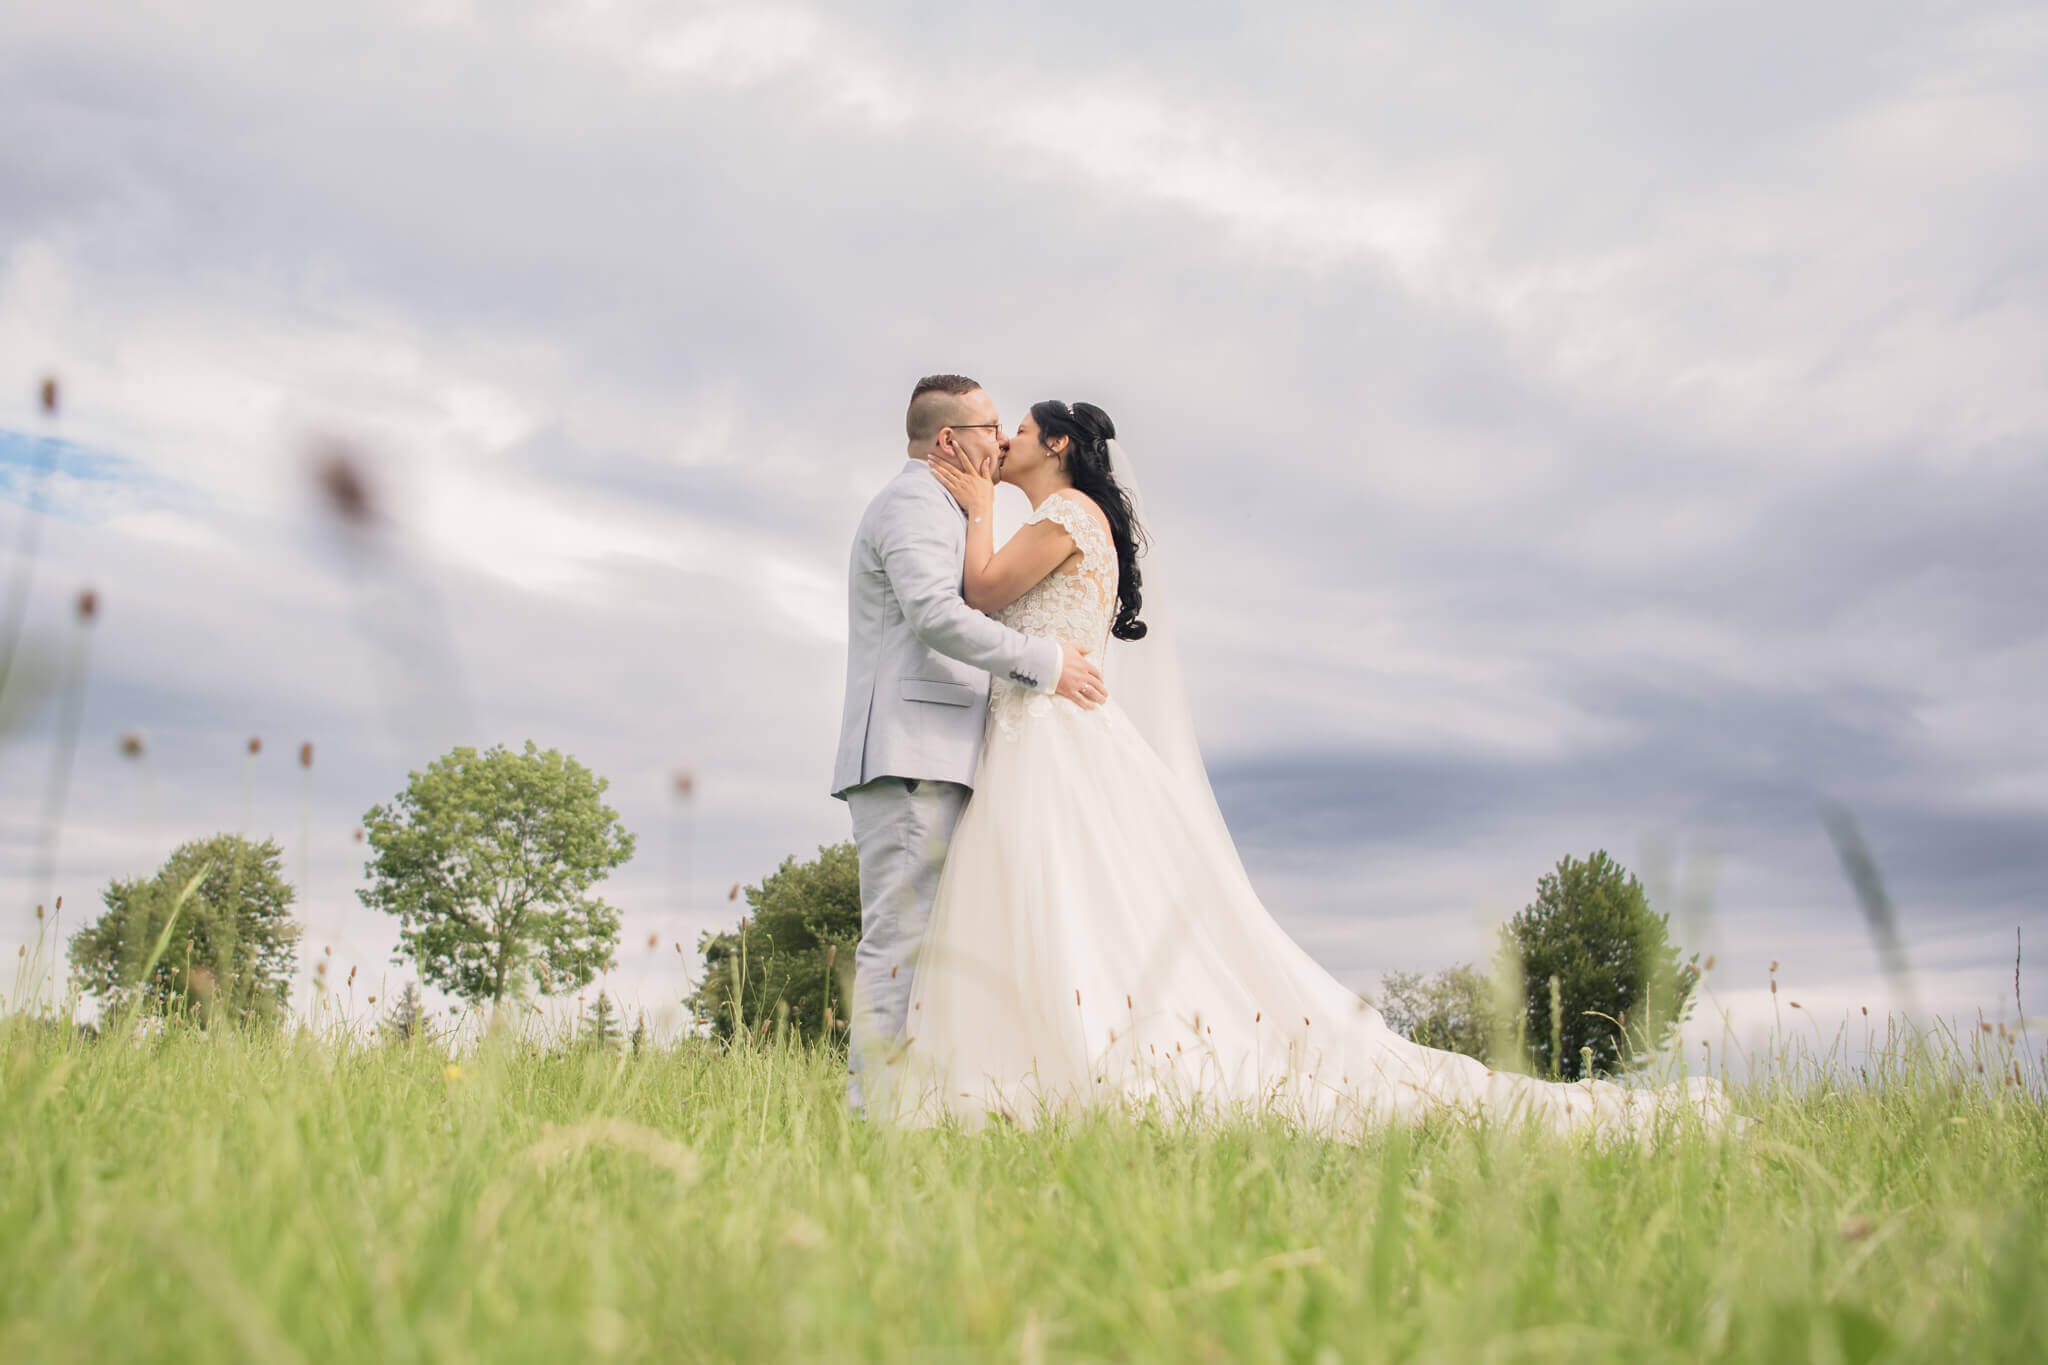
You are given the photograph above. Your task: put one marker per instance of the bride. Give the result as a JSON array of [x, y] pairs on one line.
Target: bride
[[1095, 939]]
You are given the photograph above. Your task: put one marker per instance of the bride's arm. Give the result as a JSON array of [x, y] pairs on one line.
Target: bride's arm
[[994, 580]]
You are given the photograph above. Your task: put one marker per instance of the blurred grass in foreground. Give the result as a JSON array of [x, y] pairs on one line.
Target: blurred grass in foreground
[[277, 1198]]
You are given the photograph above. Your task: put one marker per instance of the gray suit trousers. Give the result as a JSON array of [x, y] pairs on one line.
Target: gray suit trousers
[[902, 827]]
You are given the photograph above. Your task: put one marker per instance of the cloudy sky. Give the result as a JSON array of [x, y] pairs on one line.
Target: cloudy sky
[[1573, 425]]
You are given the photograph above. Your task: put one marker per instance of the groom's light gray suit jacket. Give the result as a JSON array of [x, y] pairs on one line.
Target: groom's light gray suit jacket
[[918, 658]]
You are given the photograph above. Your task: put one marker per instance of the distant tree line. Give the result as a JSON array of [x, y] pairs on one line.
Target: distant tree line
[[1621, 991], [486, 859]]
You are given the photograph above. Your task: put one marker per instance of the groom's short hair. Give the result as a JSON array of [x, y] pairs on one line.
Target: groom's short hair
[[935, 403]]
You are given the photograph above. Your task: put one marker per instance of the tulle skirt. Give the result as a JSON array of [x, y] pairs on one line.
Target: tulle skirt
[[1095, 942]]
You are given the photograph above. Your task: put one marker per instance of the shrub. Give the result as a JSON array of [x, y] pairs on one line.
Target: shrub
[[1452, 1010]]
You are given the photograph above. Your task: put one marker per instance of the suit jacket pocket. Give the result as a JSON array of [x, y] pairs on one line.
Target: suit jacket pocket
[[944, 693]]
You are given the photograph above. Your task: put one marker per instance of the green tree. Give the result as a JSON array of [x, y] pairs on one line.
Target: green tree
[[486, 859], [1622, 990], [408, 1017], [232, 949], [793, 951], [601, 1024], [1452, 1010]]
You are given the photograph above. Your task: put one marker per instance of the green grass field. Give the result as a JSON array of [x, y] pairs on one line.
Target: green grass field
[[185, 1197]]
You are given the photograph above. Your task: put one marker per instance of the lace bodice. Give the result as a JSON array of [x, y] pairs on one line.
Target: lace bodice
[[1075, 602]]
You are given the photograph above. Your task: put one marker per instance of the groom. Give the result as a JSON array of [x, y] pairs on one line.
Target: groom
[[918, 661]]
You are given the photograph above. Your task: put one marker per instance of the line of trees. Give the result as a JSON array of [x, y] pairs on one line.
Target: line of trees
[[488, 861], [1620, 994]]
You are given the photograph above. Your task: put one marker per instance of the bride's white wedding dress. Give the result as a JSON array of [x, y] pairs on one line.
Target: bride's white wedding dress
[[1096, 941]]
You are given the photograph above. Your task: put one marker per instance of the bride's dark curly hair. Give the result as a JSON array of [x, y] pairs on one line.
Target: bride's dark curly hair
[[1089, 431]]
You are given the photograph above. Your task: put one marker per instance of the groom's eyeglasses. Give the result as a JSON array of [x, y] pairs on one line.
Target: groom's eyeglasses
[[996, 427]]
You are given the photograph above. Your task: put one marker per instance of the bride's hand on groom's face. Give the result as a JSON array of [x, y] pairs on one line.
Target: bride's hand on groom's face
[[972, 485]]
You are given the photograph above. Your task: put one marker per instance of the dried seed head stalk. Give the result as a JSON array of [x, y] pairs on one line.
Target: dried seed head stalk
[[338, 470]]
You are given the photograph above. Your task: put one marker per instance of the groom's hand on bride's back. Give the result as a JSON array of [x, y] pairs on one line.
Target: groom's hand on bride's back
[[1080, 681]]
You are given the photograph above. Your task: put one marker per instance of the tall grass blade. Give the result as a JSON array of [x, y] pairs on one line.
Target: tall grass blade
[[1878, 913], [163, 941]]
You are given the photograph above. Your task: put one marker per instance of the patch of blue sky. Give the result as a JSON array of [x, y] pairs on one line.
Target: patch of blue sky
[[49, 474]]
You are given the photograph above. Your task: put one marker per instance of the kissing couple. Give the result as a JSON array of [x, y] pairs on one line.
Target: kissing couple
[[1054, 916]]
